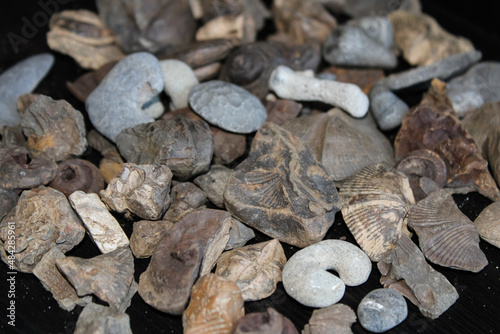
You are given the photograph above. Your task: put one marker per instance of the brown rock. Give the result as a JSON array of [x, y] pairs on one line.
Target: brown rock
[[256, 269], [43, 219], [111, 165], [281, 190], [364, 78], [239, 234], [492, 146], [86, 83], [488, 224], [24, 101], [228, 146], [337, 319], [216, 304], [213, 183], [77, 174], [207, 72], [422, 39], [53, 281], [280, 111], [186, 198], [101, 319], [189, 248], [201, 53], [146, 235], [269, 322], [12, 136], [55, 128], [8, 201], [109, 276]]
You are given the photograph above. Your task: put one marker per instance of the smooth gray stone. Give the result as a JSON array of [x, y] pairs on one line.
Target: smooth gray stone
[[479, 85], [21, 79], [388, 110], [116, 104], [228, 106], [348, 46], [378, 28], [382, 309]]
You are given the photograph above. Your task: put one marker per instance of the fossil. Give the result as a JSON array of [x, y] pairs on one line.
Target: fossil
[[281, 110], [267, 322], [186, 198], [146, 235], [480, 122], [96, 318], [213, 183], [77, 174], [488, 224], [336, 318]]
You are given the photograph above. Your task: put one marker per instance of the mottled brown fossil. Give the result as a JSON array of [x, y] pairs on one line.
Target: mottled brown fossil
[[77, 174], [337, 319], [268, 322]]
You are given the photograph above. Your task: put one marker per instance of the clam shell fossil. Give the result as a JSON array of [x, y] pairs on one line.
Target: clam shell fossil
[[488, 224], [446, 236], [375, 202]]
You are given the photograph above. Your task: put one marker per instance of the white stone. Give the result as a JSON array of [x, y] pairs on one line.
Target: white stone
[[289, 84], [100, 224], [179, 78], [305, 275]]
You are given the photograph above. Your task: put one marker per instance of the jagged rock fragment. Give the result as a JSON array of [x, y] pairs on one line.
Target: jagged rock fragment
[[488, 224], [239, 234], [186, 198], [268, 322], [96, 318], [146, 235], [213, 183], [336, 318]]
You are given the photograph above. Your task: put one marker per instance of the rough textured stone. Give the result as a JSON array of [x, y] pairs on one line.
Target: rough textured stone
[[101, 319], [381, 310], [239, 234], [280, 111], [215, 306], [186, 198], [24, 101], [281, 190], [378, 28], [268, 322], [488, 224], [43, 219], [108, 276], [54, 127], [201, 53], [140, 190], [116, 104], [480, 123], [228, 146], [256, 269], [305, 275], [213, 183], [364, 78], [21, 79], [77, 174], [406, 270], [53, 281], [228, 106], [111, 163], [288, 84], [102, 227], [336, 318], [189, 248], [179, 78], [184, 145], [347, 45], [8, 201], [146, 235]]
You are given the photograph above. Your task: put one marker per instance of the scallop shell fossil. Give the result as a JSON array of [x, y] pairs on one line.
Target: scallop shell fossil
[[446, 236], [375, 202]]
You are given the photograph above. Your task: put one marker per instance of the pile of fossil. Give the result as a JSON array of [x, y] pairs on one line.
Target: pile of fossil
[[207, 136]]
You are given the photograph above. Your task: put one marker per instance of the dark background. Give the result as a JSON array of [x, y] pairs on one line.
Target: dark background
[[477, 309]]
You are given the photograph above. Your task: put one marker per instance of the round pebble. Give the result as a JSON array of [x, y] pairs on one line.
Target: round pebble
[[381, 310], [228, 106]]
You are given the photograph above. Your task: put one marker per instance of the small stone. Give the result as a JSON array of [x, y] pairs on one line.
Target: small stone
[[381, 310], [111, 165], [190, 248], [21, 79], [336, 318], [109, 276], [488, 224], [364, 78], [239, 234], [378, 28], [146, 235], [179, 79], [140, 190], [256, 269], [53, 281], [228, 106], [213, 183], [201, 53], [42, 219], [24, 101], [186, 198], [86, 83], [77, 174], [480, 123], [54, 127], [280, 111], [237, 28], [207, 72], [8, 201], [228, 146], [153, 107], [102, 227], [492, 146], [288, 84], [96, 318], [215, 306], [116, 104], [268, 322], [184, 145], [347, 45]]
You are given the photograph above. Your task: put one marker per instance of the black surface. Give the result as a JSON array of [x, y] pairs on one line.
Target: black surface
[[477, 309]]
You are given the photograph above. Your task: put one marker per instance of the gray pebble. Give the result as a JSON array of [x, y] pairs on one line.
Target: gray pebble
[[347, 45], [21, 79], [378, 28], [117, 102], [228, 106], [381, 310]]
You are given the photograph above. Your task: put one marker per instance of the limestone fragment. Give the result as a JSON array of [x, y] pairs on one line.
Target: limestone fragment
[[102, 227], [336, 318], [480, 123], [146, 235], [96, 318], [488, 224], [256, 269], [215, 306], [186, 198], [213, 183]]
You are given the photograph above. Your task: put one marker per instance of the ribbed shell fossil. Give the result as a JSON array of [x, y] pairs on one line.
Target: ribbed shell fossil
[[375, 202], [446, 236], [488, 224]]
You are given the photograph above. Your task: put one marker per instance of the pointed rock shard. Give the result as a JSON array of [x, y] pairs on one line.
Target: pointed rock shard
[[375, 202], [406, 270], [108, 276], [446, 236], [488, 224], [256, 269], [281, 190], [268, 322], [216, 305], [189, 248], [336, 318], [96, 318]]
